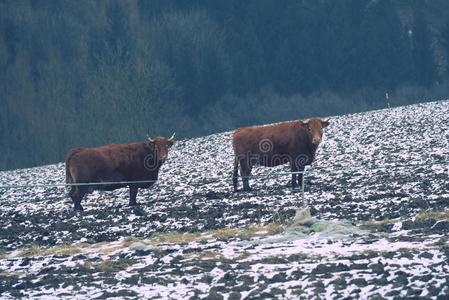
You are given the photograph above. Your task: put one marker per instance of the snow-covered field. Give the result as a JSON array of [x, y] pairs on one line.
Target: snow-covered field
[[377, 192]]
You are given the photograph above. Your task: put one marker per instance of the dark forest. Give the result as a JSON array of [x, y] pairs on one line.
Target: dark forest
[[86, 73]]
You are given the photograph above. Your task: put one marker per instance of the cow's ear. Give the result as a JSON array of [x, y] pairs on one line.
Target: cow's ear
[[171, 142], [324, 124]]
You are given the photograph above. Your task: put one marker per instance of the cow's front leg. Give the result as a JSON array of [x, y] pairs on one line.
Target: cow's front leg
[[300, 176], [132, 196], [294, 169], [77, 194], [245, 181], [293, 183]]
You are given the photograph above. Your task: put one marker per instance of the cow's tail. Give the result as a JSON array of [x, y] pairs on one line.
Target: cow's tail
[[68, 175], [235, 174]]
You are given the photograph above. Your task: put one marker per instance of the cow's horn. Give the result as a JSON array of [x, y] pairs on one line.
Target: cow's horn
[[172, 137], [149, 138]]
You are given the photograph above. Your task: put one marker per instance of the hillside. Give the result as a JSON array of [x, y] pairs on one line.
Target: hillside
[[378, 193], [77, 73]]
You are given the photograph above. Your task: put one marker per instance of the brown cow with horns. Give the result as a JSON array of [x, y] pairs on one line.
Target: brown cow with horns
[[293, 142], [116, 163]]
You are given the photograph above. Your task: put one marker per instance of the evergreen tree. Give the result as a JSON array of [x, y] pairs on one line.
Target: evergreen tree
[[444, 38], [383, 55], [192, 45], [343, 20], [424, 67], [85, 73]]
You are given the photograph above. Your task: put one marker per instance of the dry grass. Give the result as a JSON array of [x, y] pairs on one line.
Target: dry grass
[[36, 250], [127, 241], [109, 266], [424, 215], [248, 232], [99, 245], [433, 214], [111, 249], [69, 250], [178, 238], [64, 250], [31, 251], [220, 234]]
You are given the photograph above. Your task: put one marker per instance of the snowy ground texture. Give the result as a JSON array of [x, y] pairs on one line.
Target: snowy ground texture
[[378, 194]]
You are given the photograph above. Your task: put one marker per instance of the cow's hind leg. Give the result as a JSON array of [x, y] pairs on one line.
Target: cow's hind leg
[[72, 191], [235, 175], [132, 195], [245, 173], [77, 194]]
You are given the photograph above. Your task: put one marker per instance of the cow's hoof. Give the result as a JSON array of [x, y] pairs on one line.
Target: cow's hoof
[[242, 191], [133, 204], [79, 208]]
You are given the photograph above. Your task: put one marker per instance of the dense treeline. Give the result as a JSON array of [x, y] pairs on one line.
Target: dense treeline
[[84, 73]]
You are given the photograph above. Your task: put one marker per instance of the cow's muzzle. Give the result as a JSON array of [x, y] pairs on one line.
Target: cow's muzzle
[[316, 141]]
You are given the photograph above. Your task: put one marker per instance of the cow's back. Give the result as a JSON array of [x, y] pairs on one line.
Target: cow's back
[[281, 138], [115, 162], [133, 161]]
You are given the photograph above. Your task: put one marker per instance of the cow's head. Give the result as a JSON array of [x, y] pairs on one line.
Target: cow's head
[[161, 146], [315, 128]]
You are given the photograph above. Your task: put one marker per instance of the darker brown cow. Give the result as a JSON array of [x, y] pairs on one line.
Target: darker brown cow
[[115, 163], [292, 142]]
